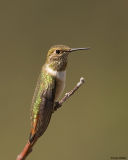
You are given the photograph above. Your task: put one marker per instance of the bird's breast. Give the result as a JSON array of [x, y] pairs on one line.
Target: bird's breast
[[60, 80], [60, 84]]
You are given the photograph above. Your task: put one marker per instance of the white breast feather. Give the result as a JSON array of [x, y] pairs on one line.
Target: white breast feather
[[61, 76]]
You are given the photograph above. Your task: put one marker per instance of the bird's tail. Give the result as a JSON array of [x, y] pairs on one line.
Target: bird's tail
[[27, 149]]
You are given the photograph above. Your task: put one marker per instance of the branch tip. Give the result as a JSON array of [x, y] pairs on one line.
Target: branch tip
[[82, 80], [68, 94]]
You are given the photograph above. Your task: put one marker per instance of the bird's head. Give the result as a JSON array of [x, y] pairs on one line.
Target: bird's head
[[57, 56]]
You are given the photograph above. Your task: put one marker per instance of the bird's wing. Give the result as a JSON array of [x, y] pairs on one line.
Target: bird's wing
[[42, 104]]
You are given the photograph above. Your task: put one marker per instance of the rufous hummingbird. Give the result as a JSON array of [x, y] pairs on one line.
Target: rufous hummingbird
[[50, 86]]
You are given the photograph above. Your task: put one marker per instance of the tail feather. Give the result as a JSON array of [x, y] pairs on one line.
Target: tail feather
[[27, 149]]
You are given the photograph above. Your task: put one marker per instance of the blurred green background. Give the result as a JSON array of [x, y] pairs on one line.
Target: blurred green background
[[92, 125]]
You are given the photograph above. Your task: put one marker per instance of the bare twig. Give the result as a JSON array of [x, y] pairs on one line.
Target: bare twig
[[68, 95]]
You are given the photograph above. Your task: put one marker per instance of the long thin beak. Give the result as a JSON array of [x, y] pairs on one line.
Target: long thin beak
[[77, 49]]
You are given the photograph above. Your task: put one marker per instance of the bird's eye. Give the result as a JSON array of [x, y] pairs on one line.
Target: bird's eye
[[57, 51]]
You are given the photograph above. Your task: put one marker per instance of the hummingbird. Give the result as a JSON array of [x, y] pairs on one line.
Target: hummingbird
[[50, 86]]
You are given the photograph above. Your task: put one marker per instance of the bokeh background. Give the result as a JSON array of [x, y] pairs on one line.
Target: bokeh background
[[92, 125]]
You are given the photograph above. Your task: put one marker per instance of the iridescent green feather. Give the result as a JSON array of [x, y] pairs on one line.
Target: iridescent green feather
[[45, 80]]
